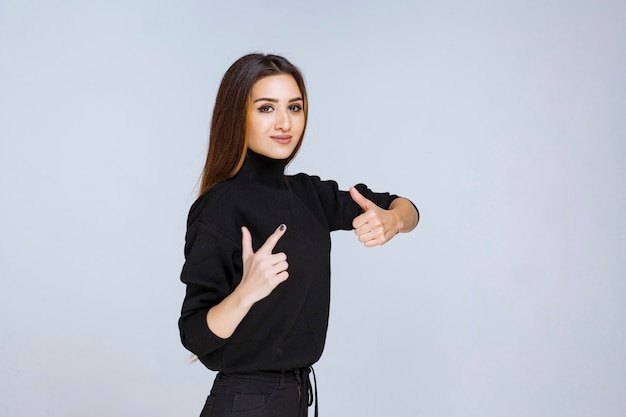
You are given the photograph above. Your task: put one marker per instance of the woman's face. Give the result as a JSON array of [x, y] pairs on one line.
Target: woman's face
[[275, 119]]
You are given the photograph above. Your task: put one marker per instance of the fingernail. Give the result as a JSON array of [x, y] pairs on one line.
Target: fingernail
[[281, 227]]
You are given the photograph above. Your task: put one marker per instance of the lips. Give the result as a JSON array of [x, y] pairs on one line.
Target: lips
[[282, 139]]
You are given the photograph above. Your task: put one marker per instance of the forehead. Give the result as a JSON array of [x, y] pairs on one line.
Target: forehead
[[276, 86]]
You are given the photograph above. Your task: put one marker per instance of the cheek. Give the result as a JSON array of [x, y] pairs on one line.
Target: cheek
[[264, 123], [301, 123], [255, 126]]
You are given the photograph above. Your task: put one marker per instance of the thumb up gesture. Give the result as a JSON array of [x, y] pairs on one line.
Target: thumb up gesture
[[375, 226]]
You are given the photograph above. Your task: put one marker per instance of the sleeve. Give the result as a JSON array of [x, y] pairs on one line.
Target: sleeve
[[212, 262], [338, 206]]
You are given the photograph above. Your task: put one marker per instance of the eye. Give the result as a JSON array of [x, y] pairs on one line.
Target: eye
[[295, 108], [266, 109]]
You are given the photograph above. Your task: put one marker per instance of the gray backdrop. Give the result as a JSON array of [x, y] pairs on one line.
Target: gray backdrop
[[503, 121]]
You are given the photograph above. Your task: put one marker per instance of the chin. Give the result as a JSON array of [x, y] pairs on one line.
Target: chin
[[282, 154], [274, 152]]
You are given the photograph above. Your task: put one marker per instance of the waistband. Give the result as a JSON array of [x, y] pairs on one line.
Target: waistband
[[272, 376], [300, 375]]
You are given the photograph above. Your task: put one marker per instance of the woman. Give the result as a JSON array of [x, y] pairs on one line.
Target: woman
[[257, 251]]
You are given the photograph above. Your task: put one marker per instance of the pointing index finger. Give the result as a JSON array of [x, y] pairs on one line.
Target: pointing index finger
[[273, 239]]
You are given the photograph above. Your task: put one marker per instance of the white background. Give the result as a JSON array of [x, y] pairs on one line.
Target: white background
[[503, 121]]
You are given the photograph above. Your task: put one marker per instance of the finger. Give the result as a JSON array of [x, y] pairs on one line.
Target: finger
[[246, 243], [366, 236], [359, 221], [281, 277], [277, 258], [361, 230], [372, 243], [280, 267], [271, 241], [359, 199]]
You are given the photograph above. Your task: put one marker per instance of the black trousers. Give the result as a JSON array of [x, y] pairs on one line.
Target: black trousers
[[260, 394]]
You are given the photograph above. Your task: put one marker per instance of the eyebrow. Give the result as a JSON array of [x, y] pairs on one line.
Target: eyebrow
[[273, 100]]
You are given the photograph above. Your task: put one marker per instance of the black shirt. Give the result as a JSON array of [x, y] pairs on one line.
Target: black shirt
[[287, 329]]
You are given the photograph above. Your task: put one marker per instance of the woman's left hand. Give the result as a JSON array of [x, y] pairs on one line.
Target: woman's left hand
[[376, 226]]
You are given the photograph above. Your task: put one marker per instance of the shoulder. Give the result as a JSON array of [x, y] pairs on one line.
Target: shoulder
[[302, 180], [210, 198], [311, 188], [217, 206]]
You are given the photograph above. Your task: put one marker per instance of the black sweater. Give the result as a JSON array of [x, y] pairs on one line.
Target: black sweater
[[287, 329]]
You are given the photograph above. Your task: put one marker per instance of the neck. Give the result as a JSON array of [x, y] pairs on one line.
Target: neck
[[263, 170]]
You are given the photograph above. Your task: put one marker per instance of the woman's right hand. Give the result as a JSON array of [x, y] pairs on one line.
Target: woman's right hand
[[262, 270]]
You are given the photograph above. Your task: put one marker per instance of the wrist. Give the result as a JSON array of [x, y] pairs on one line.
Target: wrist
[[241, 300]]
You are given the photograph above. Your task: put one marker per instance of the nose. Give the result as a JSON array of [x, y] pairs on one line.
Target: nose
[[283, 120]]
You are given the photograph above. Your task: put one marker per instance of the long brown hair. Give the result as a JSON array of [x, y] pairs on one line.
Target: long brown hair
[[227, 138]]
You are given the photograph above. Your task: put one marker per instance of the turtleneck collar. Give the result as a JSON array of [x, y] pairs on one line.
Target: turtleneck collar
[[263, 170]]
